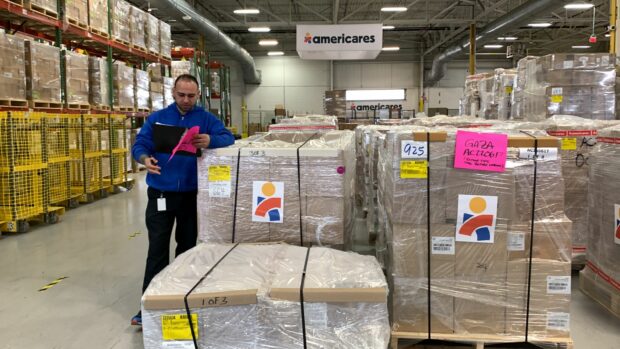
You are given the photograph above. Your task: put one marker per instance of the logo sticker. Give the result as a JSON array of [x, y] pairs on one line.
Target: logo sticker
[[617, 230], [268, 202], [476, 218]]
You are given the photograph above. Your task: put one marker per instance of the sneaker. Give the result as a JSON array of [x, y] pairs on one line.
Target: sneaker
[[137, 319]]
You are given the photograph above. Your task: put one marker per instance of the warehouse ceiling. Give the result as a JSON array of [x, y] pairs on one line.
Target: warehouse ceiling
[[426, 27]]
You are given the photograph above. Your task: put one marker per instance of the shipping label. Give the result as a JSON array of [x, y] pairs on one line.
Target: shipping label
[[558, 284], [175, 327], [413, 169], [443, 245]]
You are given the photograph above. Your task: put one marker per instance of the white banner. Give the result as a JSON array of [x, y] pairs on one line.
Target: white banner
[[339, 42]]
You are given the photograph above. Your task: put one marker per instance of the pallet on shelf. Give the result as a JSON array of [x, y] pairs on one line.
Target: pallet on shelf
[[139, 48], [13, 103], [18, 2], [124, 108], [77, 23], [98, 32], [43, 11], [78, 106], [474, 341], [100, 107], [143, 110], [44, 105], [121, 41]]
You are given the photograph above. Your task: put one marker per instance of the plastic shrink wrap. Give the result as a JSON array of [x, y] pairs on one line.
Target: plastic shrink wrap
[[306, 123], [250, 298], [76, 11], [12, 60], [142, 85], [99, 83], [42, 72], [77, 78], [121, 21], [98, 23], [138, 26], [165, 37], [123, 78], [168, 85], [152, 34]]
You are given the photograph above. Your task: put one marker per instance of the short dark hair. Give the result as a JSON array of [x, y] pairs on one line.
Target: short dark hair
[[188, 78]]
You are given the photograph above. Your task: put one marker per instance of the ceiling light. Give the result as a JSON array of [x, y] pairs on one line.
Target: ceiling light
[[540, 25], [581, 46], [390, 48], [507, 38], [172, 20], [259, 29], [578, 6], [275, 53], [388, 27], [246, 11], [493, 46], [607, 35], [187, 18], [393, 9], [268, 42]]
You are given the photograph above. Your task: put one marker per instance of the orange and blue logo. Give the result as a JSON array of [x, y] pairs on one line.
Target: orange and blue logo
[[268, 202], [617, 220], [476, 218], [308, 38]]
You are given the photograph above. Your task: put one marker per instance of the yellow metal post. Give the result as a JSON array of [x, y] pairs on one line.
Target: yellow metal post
[[244, 119], [472, 49], [613, 13]]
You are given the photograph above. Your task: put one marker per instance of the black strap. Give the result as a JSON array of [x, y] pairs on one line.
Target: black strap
[[428, 227], [234, 222], [301, 224], [301, 298], [189, 315]]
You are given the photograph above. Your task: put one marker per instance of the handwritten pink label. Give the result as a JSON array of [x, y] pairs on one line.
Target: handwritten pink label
[[185, 144], [481, 151]]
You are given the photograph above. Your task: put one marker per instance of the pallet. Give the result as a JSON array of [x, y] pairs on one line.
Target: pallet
[[45, 12], [18, 2], [23, 225], [138, 48], [144, 110], [156, 54], [77, 23], [120, 41], [124, 109], [44, 105], [78, 106], [21, 103], [595, 287], [473, 341], [100, 107], [98, 32]]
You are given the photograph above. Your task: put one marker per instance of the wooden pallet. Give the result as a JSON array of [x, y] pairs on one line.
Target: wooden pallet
[[100, 107], [77, 23], [43, 11], [156, 54], [600, 291], [98, 32], [18, 2], [124, 109], [44, 105], [138, 48], [21, 103], [472, 341], [78, 106], [144, 110], [120, 41]]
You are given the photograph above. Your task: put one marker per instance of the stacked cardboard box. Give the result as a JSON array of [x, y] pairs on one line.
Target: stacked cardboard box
[[470, 102], [42, 72], [99, 83], [77, 12], [251, 299], [98, 16], [314, 171], [476, 288], [601, 277], [152, 34], [335, 103], [165, 37], [12, 61], [488, 105], [156, 95], [76, 66], [157, 72], [123, 78], [141, 85], [502, 90], [138, 27], [181, 67], [121, 21], [45, 5], [306, 123], [522, 98], [168, 85]]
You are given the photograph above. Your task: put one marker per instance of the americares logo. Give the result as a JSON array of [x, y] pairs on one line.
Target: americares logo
[[338, 39], [268, 202], [377, 106], [476, 218]]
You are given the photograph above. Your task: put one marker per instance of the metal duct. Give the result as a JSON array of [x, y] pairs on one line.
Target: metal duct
[[179, 9], [512, 20]]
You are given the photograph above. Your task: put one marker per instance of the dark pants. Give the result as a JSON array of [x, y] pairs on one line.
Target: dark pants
[[180, 207]]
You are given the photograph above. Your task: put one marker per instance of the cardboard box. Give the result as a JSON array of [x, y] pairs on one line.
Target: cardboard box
[[152, 33], [42, 72], [138, 26], [165, 37], [121, 21], [77, 10], [99, 84], [123, 78], [98, 15], [141, 84], [12, 60], [77, 78]]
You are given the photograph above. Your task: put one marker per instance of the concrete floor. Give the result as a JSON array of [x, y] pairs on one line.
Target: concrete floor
[[93, 247]]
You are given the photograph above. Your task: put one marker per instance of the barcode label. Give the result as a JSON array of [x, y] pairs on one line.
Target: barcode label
[[558, 284], [556, 91], [542, 153], [219, 189], [177, 344], [568, 64], [442, 245], [316, 315], [516, 242], [558, 321]]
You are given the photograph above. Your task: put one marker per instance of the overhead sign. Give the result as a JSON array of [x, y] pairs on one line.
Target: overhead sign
[[339, 42]]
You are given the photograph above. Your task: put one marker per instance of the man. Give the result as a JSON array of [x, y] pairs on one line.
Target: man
[[172, 182]]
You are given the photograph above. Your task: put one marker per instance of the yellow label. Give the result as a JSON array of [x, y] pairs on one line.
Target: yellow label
[[414, 169], [557, 99], [219, 173], [569, 143], [508, 90], [176, 327]]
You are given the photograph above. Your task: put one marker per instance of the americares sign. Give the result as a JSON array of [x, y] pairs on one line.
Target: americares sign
[[336, 42]]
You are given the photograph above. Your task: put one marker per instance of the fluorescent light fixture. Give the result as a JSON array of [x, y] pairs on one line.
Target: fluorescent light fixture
[[540, 25], [172, 20], [393, 9], [259, 29], [375, 95], [275, 53], [390, 48], [607, 35], [581, 46], [579, 6], [187, 18], [246, 11], [493, 46], [388, 27], [507, 38], [268, 42]]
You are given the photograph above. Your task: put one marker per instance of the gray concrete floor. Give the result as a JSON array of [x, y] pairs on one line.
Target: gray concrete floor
[[104, 265]]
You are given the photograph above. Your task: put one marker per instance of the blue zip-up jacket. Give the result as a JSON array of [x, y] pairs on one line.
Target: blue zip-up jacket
[[180, 174]]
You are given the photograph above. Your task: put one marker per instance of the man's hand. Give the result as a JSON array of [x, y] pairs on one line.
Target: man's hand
[[201, 141], [151, 165]]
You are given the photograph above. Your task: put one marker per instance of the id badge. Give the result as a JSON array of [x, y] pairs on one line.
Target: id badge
[[161, 204]]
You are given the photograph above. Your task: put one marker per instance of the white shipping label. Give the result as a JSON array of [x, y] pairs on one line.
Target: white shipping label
[[177, 344], [556, 91], [543, 153], [316, 315], [442, 245], [617, 224], [268, 202], [568, 64], [558, 284], [219, 189], [413, 150], [558, 321], [516, 242], [476, 218], [8, 75]]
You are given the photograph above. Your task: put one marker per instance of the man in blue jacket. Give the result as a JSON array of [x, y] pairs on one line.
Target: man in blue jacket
[[173, 182]]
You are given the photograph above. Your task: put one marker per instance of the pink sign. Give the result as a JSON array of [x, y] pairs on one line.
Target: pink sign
[[481, 151], [185, 144]]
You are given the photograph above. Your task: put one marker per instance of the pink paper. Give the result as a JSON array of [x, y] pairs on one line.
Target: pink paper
[[185, 144], [481, 151]]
